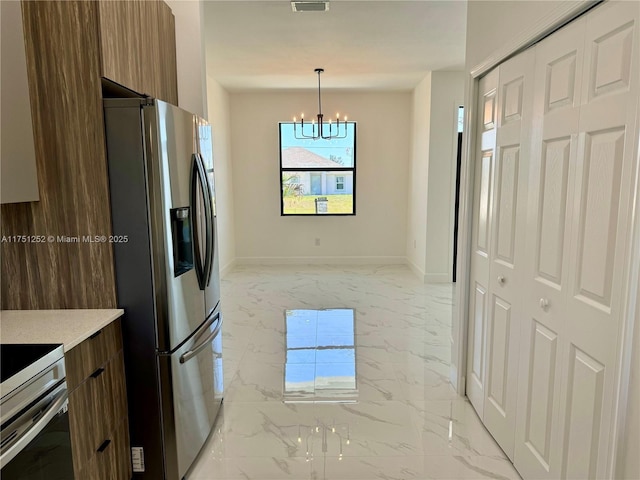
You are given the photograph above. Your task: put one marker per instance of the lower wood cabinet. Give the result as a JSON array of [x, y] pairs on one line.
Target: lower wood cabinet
[[111, 461], [98, 407]]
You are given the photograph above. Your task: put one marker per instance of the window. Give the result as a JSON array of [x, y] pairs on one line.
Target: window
[[317, 177]]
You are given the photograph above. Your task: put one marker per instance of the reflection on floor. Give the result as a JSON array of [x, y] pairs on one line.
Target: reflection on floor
[[320, 362], [341, 373]]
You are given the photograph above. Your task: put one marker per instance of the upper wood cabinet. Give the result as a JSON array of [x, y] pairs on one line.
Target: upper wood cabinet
[[167, 44], [69, 46], [19, 181], [138, 47], [120, 41]]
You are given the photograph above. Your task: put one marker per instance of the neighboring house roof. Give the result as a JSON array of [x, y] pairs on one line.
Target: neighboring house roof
[[298, 157]]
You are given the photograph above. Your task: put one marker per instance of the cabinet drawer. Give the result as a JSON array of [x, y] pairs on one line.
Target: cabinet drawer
[[96, 408], [82, 360], [112, 461]]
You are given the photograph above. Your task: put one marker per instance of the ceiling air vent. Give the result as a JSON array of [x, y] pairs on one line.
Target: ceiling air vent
[[310, 5]]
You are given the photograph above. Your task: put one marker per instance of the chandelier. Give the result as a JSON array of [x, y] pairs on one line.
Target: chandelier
[[319, 130]]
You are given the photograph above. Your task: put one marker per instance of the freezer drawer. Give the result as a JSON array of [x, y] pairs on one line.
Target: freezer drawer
[[197, 386]]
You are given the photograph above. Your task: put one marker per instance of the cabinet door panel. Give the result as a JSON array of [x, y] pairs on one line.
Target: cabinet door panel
[[151, 50], [96, 408], [120, 40], [112, 463], [168, 62], [85, 358]]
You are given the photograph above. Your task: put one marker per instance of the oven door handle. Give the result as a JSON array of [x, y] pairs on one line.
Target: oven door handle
[[57, 403]]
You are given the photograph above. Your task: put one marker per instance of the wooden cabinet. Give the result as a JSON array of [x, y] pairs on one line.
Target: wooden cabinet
[[69, 47], [85, 358], [18, 177], [98, 407], [137, 40], [121, 25], [168, 62]]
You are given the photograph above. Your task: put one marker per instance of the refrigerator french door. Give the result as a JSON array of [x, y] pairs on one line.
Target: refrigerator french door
[[167, 280]]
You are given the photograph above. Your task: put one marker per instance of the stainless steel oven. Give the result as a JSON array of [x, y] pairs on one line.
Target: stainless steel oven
[[35, 443]]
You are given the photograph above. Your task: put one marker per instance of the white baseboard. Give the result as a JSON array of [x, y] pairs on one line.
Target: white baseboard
[[320, 261], [227, 268], [453, 378], [415, 269], [428, 277], [437, 278]]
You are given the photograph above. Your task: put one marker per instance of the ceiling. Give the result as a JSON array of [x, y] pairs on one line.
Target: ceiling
[[370, 45]]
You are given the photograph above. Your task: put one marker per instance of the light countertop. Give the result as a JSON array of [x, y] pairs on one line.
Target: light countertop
[[69, 327]]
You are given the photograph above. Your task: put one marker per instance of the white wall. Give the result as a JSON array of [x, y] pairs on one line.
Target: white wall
[[418, 177], [492, 24], [431, 185], [192, 91], [220, 120], [377, 233], [447, 94]]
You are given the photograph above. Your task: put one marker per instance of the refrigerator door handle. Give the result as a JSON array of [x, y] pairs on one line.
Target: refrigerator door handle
[[208, 264], [198, 178], [189, 354]]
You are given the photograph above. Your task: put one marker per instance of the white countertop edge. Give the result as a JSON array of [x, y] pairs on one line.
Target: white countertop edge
[[68, 327]]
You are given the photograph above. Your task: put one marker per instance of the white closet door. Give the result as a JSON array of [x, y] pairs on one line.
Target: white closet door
[[481, 239], [558, 75], [515, 91], [600, 232]]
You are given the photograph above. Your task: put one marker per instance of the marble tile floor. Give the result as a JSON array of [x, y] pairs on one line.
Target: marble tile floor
[[341, 373]]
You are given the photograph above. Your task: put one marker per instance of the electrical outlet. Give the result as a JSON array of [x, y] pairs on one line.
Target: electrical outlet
[[317, 242]]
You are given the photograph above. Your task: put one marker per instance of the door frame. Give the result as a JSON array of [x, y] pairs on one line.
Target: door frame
[[557, 18]]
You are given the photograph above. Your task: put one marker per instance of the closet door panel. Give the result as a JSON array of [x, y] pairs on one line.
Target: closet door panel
[[506, 205], [555, 126], [481, 239], [538, 415], [601, 229], [501, 324], [507, 247], [550, 231], [583, 413]]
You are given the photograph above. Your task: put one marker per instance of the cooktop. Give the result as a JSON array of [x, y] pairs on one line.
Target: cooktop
[[14, 358]]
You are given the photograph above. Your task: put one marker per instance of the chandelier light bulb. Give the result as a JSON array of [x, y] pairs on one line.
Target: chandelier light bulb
[[348, 441], [299, 439], [302, 116], [345, 118], [337, 115], [294, 119]]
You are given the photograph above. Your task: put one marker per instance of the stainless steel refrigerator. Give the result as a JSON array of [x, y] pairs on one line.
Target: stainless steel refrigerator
[[166, 265]]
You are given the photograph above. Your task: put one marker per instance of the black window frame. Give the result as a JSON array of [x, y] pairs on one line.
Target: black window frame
[[318, 170]]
